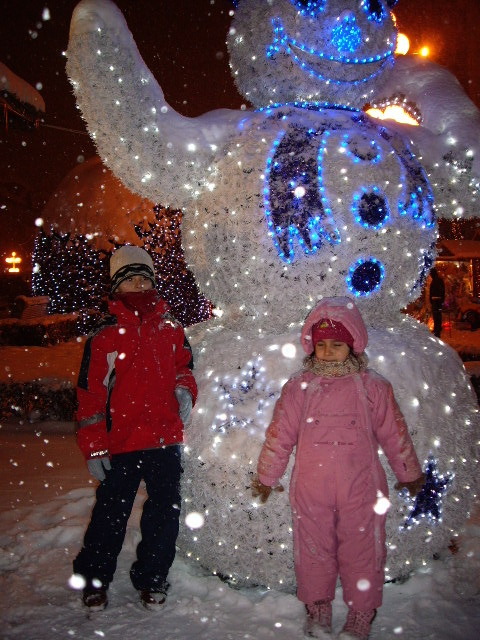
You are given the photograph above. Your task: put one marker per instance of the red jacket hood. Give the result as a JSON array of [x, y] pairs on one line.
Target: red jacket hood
[[341, 310]]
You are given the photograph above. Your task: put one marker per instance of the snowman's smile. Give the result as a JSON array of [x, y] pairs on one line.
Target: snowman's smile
[[325, 67]]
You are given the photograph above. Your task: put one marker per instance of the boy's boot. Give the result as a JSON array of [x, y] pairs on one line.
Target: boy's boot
[[154, 599], [319, 620], [358, 624], [95, 599]]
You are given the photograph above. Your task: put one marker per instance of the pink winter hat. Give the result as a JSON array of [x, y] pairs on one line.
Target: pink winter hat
[[341, 311], [326, 328]]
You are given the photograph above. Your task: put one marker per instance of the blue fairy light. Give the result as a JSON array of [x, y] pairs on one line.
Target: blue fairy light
[[315, 105], [416, 198], [365, 277], [303, 215], [298, 214], [347, 36], [351, 145], [310, 8], [286, 44]]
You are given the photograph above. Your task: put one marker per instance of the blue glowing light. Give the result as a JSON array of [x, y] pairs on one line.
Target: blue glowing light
[[306, 220], [428, 503], [310, 8], [310, 106], [365, 277], [416, 198], [298, 207], [284, 43], [369, 151], [347, 36]]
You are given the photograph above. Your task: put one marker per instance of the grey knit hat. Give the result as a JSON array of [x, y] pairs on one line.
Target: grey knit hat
[[130, 261]]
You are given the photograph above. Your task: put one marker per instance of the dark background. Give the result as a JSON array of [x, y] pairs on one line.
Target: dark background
[[183, 43]]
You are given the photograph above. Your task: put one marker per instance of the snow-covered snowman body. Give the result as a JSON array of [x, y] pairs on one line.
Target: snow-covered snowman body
[[284, 205]]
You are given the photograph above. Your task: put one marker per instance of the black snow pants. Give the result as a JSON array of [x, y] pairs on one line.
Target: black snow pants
[[161, 470]]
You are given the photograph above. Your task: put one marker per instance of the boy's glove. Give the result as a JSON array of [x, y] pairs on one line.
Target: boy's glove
[[263, 491], [98, 466], [414, 487], [184, 398]]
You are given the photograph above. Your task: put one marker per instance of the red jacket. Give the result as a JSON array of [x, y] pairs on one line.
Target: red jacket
[[126, 387]]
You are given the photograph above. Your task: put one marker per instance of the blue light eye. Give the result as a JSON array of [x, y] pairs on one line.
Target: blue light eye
[[374, 10], [310, 7]]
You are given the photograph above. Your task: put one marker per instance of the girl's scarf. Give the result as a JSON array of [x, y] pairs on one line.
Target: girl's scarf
[[353, 364]]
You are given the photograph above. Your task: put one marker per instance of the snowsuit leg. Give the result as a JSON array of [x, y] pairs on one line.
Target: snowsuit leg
[[159, 523], [108, 523], [361, 555], [345, 542], [316, 567]]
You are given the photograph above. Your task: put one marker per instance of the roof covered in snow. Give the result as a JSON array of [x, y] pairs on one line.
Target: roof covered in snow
[[91, 201], [20, 89]]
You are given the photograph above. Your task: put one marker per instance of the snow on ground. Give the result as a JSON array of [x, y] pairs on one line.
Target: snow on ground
[[46, 495]]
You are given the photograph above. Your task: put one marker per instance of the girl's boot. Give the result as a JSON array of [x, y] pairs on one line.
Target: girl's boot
[[319, 620], [358, 624]]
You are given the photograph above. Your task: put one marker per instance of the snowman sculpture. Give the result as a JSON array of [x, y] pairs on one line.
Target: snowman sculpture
[[303, 197]]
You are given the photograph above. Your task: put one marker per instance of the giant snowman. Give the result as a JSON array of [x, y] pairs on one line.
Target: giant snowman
[[301, 197]]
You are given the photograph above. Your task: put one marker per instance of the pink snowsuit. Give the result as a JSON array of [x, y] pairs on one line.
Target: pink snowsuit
[[337, 425]]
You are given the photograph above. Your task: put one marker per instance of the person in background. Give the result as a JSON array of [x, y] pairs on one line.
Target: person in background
[[337, 413], [437, 298], [135, 393]]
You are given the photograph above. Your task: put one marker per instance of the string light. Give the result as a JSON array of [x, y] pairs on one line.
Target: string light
[[427, 505], [74, 275], [335, 53], [346, 37]]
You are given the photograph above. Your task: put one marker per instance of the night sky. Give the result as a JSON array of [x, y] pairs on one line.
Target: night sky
[[183, 43]]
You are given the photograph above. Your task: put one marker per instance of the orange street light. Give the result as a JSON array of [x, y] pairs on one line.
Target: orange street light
[[13, 260]]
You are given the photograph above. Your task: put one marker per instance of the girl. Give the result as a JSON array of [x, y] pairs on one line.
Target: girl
[[337, 413]]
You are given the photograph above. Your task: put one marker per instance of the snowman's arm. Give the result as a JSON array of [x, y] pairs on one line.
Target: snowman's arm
[[450, 120], [152, 149]]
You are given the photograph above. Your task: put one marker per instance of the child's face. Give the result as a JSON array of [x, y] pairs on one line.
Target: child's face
[[134, 284], [332, 350]]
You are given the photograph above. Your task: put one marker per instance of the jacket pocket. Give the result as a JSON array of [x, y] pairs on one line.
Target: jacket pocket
[[334, 429]]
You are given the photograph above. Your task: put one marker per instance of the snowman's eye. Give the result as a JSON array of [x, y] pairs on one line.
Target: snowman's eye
[[374, 9], [310, 7]]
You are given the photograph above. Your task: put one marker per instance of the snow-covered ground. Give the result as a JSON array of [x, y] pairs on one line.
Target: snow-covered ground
[[46, 495]]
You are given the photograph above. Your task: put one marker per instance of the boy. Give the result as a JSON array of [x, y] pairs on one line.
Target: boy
[[135, 392]]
